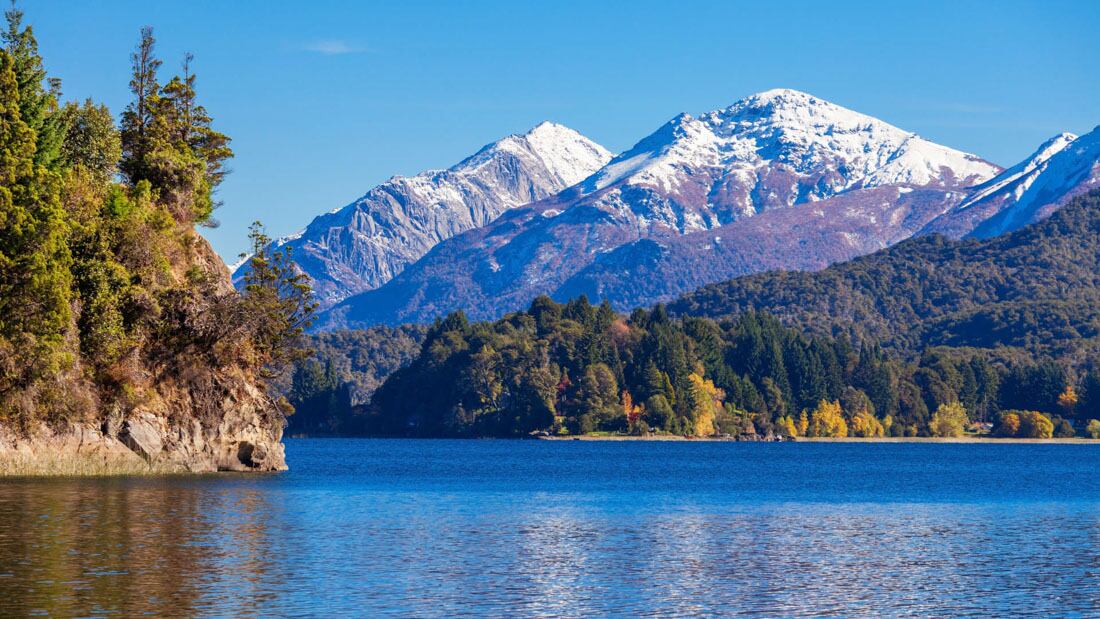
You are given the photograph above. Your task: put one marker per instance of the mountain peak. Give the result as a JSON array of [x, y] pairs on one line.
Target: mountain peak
[[804, 134], [784, 96], [364, 244], [564, 152], [549, 127]]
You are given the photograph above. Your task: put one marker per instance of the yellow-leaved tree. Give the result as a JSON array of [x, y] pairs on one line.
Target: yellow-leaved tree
[[827, 420], [949, 420], [1067, 401], [863, 423], [705, 400], [787, 426]]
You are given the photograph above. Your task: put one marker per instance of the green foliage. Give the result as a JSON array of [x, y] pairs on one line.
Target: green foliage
[[92, 142], [1093, 428], [34, 259], [1028, 294], [38, 94], [278, 300], [168, 138], [105, 288], [574, 367]]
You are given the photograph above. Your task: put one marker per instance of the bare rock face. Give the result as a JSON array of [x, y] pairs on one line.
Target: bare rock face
[[142, 435], [242, 431]]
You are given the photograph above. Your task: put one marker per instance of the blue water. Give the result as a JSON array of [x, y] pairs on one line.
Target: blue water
[[572, 529]]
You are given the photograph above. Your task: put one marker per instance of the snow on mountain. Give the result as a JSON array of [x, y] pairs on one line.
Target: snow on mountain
[[776, 151], [836, 147], [987, 199], [1063, 168], [366, 243]]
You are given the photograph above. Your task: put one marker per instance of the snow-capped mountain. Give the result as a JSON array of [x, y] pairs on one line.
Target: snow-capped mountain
[[773, 149], [364, 244], [1061, 174], [781, 179]]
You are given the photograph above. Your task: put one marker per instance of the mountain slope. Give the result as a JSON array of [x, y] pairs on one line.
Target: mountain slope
[[1062, 167], [834, 184], [366, 243], [1037, 289], [1071, 171]]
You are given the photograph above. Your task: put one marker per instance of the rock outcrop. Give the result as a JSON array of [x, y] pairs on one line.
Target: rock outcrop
[[187, 400]]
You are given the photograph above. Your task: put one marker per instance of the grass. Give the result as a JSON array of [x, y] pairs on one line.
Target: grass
[[20, 464]]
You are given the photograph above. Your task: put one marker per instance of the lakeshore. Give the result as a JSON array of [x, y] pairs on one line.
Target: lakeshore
[[987, 440]]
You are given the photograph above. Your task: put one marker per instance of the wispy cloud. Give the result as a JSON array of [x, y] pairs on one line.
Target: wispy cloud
[[334, 47]]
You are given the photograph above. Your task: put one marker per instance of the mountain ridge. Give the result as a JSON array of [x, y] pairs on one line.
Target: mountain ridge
[[694, 182], [363, 244]]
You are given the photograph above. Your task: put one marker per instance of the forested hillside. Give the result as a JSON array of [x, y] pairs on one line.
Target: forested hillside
[[342, 372], [120, 332], [974, 329], [577, 368], [1035, 291]]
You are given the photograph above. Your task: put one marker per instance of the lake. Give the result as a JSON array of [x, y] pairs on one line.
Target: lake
[[431, 528]]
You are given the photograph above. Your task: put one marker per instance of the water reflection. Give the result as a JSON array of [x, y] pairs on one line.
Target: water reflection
[[489, 539]]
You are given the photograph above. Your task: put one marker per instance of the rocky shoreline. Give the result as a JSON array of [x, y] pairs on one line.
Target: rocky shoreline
[[144, 445]]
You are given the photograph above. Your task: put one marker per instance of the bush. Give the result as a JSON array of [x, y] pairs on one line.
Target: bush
[[1093, 428]]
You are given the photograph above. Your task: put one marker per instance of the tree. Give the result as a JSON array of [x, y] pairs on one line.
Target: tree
[[92, 142], [658, 413], [1067, 400], [597, 399], [704, 404], [1089, 405], [34, 259], [949, 420], [1008, 425], [1063, 428], [864, 424], [190, 131], [1034, 424], [827, 420], [1093, 428], [138, 118], [278, 299], [38, 94]]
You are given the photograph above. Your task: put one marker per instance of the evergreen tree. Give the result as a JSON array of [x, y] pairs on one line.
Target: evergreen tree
[[38, 94], [138, 118], [91, 141], [191, 133], [279, 301], [34, 259]]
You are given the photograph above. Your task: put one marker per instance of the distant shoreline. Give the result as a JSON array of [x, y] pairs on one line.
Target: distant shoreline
[[848, 439]]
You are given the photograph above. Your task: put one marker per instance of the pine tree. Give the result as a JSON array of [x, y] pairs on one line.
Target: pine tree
[[38, 94], [191, 133], [138, 118], [279, 300]]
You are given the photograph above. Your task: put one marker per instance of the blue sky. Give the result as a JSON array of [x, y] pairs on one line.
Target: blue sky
[[326, 99]]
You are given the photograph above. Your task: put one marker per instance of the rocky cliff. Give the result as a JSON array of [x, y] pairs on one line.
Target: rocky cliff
[[187, 398]]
